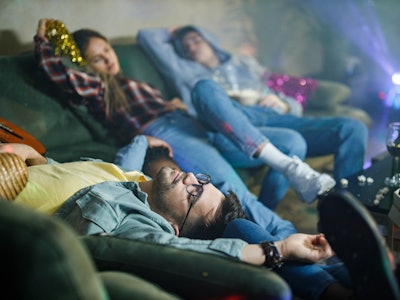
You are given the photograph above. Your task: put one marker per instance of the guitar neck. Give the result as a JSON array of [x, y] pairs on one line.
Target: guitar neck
[[10, 133]]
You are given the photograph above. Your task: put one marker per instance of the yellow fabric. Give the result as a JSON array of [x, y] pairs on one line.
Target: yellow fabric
[[50, 185]]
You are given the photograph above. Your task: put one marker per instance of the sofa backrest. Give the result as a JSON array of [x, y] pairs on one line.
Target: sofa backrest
[[135, 64], [31, 102]]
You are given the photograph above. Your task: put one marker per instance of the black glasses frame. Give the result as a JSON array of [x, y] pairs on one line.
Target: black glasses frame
[[195, 191]]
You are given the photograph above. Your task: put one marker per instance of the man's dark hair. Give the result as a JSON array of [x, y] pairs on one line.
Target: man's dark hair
[[178, 36], [181, 32], [231, 209]]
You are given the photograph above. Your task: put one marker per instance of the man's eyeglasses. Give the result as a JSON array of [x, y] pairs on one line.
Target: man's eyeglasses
[[195, 191]]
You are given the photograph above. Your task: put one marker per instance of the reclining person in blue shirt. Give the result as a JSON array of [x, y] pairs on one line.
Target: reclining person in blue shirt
[[175, 206]]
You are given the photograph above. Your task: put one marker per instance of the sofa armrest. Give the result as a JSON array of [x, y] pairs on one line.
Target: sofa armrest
[[43, 258], [189, 274]]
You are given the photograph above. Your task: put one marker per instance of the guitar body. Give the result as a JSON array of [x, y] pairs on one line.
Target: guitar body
[[11, 133]]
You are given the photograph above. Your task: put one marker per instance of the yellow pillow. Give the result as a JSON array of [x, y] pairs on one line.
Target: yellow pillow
[[50, 185]]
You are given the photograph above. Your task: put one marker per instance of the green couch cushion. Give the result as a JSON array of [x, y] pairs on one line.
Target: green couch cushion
[[124, 286], [189, 274], [43, 259]]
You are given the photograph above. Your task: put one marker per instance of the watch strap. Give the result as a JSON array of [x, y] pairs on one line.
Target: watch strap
[[272, 256]]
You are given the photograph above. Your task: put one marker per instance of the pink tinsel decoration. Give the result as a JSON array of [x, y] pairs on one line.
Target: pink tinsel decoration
[[296, 87]]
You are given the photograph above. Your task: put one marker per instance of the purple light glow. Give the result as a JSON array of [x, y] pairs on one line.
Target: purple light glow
[[357, 20]]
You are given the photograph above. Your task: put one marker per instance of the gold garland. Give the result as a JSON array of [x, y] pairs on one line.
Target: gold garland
[[63, 42]]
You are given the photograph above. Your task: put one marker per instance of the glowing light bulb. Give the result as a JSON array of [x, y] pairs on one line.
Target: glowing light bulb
[[396, 78]]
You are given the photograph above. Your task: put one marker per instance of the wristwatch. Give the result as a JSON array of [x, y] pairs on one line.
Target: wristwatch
[[272, 256]]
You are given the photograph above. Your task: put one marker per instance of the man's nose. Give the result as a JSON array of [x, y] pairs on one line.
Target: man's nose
[[190, 47], [190, 179]]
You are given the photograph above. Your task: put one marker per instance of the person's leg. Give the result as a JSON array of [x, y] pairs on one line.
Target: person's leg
[[308, 281], [345, 138], [274, 185], [258, 213], [219, 113]]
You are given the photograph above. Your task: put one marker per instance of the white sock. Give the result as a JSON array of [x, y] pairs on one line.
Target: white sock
[[274, 158]]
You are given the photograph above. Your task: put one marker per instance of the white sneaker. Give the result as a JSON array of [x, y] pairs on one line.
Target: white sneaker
[[306, 182]]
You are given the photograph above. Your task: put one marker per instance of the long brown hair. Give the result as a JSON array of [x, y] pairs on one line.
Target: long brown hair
[[114, 95]]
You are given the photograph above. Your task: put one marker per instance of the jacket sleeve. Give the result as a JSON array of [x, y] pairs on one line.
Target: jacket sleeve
[[131, 156], [181, 74]]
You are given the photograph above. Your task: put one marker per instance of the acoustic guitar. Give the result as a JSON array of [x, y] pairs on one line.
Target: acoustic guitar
[[11, 133]]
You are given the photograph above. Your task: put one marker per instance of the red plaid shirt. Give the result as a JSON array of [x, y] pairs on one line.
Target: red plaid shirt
[[146, 102]]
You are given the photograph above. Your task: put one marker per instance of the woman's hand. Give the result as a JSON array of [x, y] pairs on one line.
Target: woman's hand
[[41, 30], [156, 142], [176, 103], [28, 154], [273, 101]]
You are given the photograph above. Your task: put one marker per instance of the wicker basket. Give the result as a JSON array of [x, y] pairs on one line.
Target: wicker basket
[[13, 175]]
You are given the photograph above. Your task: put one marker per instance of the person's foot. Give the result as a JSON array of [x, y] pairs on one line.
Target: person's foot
[[306, 182], [355, 238]]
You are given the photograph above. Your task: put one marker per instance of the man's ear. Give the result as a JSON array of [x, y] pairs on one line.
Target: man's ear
[[175, 227]]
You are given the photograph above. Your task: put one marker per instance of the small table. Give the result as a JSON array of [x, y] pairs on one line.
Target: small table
[[367, 193]]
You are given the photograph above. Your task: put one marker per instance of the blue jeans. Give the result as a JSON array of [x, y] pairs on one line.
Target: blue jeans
[[307, 281], [193, 153], [232, 126]]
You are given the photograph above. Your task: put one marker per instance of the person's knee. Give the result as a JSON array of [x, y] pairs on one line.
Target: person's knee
[[203, 87], [356, 130], [205, 83], [295, 144]]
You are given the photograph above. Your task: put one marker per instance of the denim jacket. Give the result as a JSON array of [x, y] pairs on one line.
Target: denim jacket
[[121, 209]]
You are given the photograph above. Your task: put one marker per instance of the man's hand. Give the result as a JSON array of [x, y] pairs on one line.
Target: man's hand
[[296, 247], [28, 154], [273, 101], [156, 142], [173, 29], [305, 247]]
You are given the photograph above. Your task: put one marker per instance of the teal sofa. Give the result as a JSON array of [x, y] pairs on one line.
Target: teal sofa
[[126, 269]]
